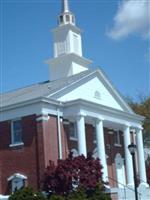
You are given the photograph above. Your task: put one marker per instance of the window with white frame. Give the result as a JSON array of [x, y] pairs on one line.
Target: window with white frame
[[117, 140], [17, 181], [16, 131], [73, 130]]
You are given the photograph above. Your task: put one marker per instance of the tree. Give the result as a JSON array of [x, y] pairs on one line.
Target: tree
[[74, 178], [26, 194], [143, 108]]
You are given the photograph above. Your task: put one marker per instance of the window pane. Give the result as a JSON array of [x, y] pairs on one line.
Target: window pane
[[17, 183], [17, 125], [72, 130], [17, 136], [17, 132]]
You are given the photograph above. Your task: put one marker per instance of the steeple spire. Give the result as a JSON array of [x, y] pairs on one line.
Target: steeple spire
[[65, 6], [66, 17]]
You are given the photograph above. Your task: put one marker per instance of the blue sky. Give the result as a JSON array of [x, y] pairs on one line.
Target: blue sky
[[116, 37]]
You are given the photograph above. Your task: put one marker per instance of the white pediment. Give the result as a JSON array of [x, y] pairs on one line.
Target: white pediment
[[94, 88]]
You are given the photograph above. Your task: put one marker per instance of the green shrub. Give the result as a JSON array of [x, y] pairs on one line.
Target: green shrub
[[80, 194], [26, 194], [98, 194], [57, 197]]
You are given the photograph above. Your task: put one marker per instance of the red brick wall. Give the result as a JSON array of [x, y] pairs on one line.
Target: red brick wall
[[41, 145], [50, 140], [20, 159], [111, 151]]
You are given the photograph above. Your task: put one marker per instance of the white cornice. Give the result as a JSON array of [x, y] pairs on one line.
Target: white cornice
[[29, 102], [35, 106], [106, 83], [49, 106], [67, 27], [104, 109], [70, 85], [72, 57]]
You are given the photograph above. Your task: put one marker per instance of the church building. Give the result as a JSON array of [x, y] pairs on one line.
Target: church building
[[77, 110]]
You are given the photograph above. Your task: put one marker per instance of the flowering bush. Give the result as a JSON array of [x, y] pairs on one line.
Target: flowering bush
[[74, 178]]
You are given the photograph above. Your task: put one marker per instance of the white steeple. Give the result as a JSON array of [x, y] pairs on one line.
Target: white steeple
[[65, 6], [66, 17], [68, 59]]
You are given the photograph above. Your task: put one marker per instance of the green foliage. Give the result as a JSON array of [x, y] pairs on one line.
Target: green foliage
[[143, 108], [80, 194], [26, 194], [57, 197], [98, 193]]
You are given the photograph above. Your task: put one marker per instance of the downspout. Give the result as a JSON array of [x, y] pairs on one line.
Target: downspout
[[59, 134]]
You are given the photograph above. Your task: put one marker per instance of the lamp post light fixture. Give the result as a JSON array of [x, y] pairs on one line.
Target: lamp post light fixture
[[132, 149]]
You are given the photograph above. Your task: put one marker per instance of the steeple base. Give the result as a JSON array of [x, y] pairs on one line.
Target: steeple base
[[67, 65]]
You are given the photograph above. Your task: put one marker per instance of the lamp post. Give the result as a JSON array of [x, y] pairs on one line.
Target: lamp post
[[132, 149]]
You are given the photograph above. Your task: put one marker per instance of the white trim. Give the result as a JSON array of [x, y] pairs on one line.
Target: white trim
[[29, 102], [73, 138], [17, 175], [106, 83], [37, 106], [59, 134], [118, 145], [16, 144], [43, 118], [66, 122], [94, 110]]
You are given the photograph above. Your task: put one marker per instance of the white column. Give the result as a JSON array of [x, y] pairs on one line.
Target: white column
[[81, 135], [141, 160], [101, 147], [128, 157]]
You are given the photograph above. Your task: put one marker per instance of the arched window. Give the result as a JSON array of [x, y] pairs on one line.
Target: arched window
[[17, 181]]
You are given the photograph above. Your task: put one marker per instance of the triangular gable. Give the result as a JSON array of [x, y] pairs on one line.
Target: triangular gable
[[94, 87]]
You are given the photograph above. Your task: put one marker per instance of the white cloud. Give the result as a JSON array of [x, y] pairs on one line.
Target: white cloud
[[133, 16]]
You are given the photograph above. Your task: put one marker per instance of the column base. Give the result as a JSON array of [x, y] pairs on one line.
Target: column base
[[130, 185], [143, 185]]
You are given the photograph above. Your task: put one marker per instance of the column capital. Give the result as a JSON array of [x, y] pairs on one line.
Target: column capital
[[79, 116], [139, 128], [125, 126], [99, 119]]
